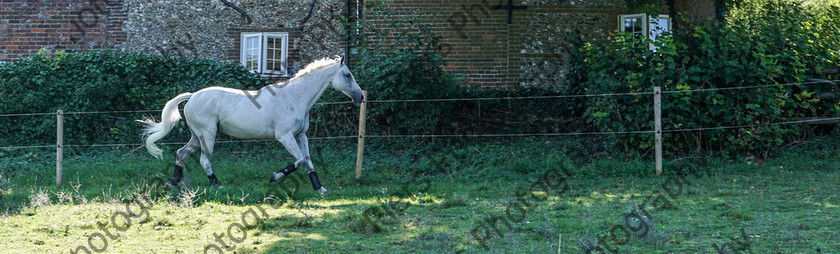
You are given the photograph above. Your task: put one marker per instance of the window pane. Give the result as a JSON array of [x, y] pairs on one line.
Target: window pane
[[252, 63], [252, 42], [252, 58], [272, 42], [274, 54], [633, 25], [658, 27], [251, 52]]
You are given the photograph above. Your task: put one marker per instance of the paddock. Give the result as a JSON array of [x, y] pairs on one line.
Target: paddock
[[509, 191]]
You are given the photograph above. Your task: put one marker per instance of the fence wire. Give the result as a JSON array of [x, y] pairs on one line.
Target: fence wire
[[832, 82], [460, 135], [817, 82]]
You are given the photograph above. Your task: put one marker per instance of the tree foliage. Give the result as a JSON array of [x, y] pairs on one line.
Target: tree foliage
[[764, 43]]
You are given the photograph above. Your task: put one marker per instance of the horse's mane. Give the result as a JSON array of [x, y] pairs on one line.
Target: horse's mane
[[318, 64]]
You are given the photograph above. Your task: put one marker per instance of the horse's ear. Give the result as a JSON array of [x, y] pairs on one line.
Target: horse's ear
[[341, 59]]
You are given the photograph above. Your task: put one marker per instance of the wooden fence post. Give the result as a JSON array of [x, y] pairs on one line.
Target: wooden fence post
[[360, 150], [59, 146], [657, 118]]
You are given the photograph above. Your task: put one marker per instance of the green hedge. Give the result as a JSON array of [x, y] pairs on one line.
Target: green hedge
[[107, 80], [113, 80], [762, 43]]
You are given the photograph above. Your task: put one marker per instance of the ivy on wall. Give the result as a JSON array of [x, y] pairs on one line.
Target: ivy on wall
[[105, 80]]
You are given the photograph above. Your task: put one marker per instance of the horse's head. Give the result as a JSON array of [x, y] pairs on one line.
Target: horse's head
[[344, 81]]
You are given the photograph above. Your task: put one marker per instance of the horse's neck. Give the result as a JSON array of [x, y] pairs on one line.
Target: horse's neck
[[308, 89]]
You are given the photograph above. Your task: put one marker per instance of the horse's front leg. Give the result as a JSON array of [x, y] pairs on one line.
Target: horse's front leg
[[303, 143], [291, 145]]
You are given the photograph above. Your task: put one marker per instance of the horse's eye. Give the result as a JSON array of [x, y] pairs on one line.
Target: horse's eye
[[347, 75]]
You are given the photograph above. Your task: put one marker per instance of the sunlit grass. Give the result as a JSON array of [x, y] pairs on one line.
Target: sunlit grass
[[790, 202]]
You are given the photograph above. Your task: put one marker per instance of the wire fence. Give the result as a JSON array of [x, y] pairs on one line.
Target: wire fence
[[820, 82]]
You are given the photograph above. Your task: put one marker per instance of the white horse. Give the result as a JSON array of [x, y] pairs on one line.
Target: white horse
[[274, 111]]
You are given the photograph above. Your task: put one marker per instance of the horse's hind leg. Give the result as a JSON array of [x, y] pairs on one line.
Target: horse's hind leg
[[303, 144], [182, 155], [207, 141]]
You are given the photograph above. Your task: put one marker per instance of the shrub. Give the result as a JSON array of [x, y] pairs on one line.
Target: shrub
[[400, 59], [106, 80], [762, 43]]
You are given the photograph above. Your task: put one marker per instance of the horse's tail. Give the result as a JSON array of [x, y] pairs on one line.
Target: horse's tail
[[168, 118]]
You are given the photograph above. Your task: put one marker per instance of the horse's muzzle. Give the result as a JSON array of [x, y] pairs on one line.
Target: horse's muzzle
[[358, 97]]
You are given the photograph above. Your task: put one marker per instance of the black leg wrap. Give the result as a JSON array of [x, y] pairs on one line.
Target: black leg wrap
[[315, 182], [213, 180], [176, 176], [288, 169]]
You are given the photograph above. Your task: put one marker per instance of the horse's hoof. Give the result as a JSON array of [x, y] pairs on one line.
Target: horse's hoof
[[322, 190], [171, 184], [275, 177], [214, 181]]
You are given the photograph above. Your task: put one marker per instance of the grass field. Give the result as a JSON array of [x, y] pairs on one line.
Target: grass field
[[483, 196]]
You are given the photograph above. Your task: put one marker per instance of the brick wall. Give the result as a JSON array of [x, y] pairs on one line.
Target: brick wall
[[208, 28], [197, 28], [29, 25], [473, 36], [481, 47], [699, 11], [478, 43]]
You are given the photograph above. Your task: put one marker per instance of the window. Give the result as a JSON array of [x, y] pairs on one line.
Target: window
[[634, 24], [659, 26], [645, 25], [264, 53]]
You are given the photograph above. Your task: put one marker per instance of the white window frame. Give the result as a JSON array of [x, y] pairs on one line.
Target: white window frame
[[649, 24], [262, 49], [640, 16], [653, 25]]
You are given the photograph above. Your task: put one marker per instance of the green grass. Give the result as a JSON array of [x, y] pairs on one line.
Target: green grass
[[786, 204]]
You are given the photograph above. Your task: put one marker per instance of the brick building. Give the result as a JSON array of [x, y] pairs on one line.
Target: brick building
[[489, 43], [27, 26], [270, 37]]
